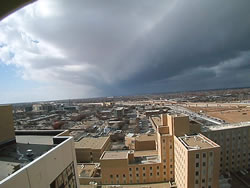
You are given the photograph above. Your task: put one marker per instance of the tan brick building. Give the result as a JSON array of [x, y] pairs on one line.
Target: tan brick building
[[7, 133], [90, 149], [235, 145], [196, 162], [127, 167], [141, 142]]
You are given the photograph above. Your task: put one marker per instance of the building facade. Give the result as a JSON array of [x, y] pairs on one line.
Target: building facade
[[196, 162], [234, 140], [26, 161], [90, 149]]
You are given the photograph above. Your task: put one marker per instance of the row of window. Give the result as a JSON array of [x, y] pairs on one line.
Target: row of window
[[198, 164], [137, 174], [204, 155], [144, 168]]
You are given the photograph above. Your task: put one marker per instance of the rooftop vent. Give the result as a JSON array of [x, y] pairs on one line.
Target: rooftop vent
[[29, 152]]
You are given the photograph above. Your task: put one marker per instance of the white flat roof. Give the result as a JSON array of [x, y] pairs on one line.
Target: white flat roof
[[225, 126]]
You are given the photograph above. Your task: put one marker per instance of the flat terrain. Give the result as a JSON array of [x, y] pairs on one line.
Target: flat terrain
[[231, 114]]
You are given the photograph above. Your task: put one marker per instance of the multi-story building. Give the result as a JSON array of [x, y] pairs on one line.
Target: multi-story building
[[122, 167], [35, 161], [196, 162], [140, 142], [126, 167], [90, 149], [234, 140], [119, 112]]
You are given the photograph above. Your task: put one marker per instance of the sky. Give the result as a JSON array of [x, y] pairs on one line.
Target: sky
[[64, 49]]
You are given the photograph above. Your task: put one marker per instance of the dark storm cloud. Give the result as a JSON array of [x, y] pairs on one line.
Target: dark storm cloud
[[194, 34], [125, 47]]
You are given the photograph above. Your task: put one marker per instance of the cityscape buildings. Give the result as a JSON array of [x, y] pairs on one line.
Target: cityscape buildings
[[39, 160]]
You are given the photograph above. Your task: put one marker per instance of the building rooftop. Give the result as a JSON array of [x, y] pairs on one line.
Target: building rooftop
[[119, 108], [90, 142], [146, 160], [157, 121], [130, 135], [145, 153], [195, 142], [114, 155], [17, 155], [146, 137], [225, 126], [35, 139], [86, 170]]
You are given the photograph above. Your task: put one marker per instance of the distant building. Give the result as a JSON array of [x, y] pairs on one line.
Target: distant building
[[70, 108], [119, 112], [37, 107], [28, 108]]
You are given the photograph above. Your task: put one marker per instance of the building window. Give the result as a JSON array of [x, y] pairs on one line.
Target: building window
[[144, 174], [66, 178], [136, 169], [204, 155], [158, 167], [117, 175], [124, 175], [151, 168], [211, 154], [164, 166], [197, 164], [197, 156], [163, 140], [171, 166], [130, 175], [203, 180], [164, 173], [151, 174], [204, 164], [111, 176], [197, 173], [143, 168], [137, 175], [130, 169], [196, 182]]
